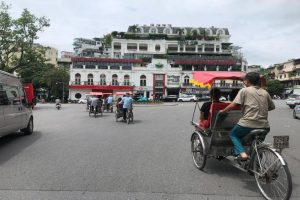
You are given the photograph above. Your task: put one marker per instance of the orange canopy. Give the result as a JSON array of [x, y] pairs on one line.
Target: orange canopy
[[206, 79]]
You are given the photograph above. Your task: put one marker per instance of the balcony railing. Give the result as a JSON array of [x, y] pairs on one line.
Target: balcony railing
[[187, 84], [102, 83], [228, 85]]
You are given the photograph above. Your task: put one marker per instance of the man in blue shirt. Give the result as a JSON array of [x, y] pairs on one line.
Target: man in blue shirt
[[127, 104], [109, 102]]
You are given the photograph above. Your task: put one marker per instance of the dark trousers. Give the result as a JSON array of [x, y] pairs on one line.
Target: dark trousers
[[124, 113]]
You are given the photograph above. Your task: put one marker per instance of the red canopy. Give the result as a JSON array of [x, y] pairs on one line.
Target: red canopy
[[206, 79]]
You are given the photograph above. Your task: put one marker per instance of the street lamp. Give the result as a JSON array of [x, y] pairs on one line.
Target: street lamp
[[63, 90]]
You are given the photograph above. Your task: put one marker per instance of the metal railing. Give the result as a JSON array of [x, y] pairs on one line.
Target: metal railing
[[101, 83]]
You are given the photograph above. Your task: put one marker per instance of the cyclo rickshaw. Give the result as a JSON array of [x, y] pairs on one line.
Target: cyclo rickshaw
[[265, 161], [94, 110], [106, 106], [119, 109]]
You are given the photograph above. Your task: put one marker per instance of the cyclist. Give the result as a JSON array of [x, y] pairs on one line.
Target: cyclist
[[127, 104], [109, 102], [255, 103]]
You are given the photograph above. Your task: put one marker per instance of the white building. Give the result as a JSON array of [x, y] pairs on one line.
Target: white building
[[153, 61]]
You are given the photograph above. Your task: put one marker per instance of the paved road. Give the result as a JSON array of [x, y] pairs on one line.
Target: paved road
[[73, 156]]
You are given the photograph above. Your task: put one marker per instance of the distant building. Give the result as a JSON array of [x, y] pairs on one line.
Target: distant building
[[152, 61], [51, 53], [67, 54], [253, 68]]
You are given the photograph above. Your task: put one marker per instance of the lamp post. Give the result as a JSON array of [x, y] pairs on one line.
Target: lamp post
[[63, 90]]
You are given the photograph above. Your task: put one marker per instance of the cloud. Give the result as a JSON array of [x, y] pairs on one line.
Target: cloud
[[267, 30]]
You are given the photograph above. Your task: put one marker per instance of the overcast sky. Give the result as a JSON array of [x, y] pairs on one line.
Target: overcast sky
[[267, 30]]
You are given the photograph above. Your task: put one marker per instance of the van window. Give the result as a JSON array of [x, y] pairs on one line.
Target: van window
[[12, 94], [3, 96], [23, 97]]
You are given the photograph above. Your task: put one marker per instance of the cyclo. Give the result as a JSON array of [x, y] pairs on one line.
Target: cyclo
[[119, 108], [96, 109], [265, 161]]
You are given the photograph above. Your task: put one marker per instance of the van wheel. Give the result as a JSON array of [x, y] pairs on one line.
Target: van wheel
[[29, 129]]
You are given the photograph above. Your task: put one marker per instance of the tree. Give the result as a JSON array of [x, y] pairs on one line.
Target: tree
[[107, 39], [17, 38], [275, 87]]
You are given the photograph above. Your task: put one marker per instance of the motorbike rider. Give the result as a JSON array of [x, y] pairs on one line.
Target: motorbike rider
[[57, 101], [255, 103]]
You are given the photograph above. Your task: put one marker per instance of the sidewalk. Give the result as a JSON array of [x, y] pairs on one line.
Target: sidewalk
[[155, 105]]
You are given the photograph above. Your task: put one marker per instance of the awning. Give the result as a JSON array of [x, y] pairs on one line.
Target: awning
[[96, 93], [206, 79], [122, 93]]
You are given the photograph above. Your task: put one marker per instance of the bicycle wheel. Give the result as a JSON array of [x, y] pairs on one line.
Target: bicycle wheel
[[131, 117], [197, 149], [116, 115], [273, 179], [128, 117]]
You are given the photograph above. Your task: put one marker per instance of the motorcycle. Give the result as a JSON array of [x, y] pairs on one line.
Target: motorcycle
[[58, 106]]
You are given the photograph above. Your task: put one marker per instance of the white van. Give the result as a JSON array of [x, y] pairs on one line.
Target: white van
[[15, 112]]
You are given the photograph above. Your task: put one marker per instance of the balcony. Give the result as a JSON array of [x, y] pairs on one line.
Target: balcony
[[229, 85], [187, 85], [101, 83]]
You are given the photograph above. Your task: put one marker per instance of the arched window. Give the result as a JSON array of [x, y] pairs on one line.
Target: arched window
[[140, 30], [115, 79], [220, 32], [90, 79], [153, 30], [167, 30], [186, 80], [126, 80], [102, 79], [77, 79], [157, 47], [142, 80]]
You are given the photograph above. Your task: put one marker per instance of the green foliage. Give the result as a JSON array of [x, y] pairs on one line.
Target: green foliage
[[275, 87], [17, 38], [107, 39]]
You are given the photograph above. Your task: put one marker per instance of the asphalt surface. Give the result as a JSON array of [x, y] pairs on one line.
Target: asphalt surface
[[73, 156]]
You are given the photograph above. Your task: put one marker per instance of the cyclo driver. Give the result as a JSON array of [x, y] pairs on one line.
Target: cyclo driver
[[96, 103]]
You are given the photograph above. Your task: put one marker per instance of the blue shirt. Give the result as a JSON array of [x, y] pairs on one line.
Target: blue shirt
[[127, 102], [109, 100]]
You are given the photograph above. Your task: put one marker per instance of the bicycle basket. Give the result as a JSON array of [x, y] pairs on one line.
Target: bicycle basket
[[281, 142]]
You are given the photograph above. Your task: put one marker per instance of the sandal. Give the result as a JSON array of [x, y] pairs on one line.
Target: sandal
[[239, 158]]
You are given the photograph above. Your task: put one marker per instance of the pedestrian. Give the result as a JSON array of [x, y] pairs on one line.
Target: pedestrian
[[255, 103]]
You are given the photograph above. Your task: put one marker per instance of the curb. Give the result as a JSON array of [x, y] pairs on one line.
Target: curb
[[155, 105]]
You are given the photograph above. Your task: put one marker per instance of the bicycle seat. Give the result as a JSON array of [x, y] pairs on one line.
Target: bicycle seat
[[261, 133]]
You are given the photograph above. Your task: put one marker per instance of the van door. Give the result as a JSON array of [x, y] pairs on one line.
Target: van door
[[2, 104], [25, 109], [12, 112]]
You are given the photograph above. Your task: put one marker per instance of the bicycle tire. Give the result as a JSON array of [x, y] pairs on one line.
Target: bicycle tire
[[272, 175], [197, 149]]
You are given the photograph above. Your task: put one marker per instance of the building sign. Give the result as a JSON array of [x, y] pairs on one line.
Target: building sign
[[173, 80]]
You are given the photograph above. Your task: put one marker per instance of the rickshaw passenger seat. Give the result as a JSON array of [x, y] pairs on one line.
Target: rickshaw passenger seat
[[228, 122]]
